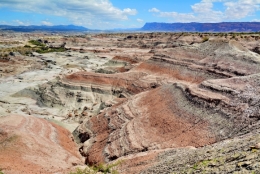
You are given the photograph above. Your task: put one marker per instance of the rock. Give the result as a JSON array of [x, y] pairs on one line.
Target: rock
[[76, 113], [257, 146], [84, 113], [244, 164], [12, 54], [70, 115]]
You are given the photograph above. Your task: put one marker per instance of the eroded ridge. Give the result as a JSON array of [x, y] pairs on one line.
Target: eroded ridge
[[146, 99], [33, 145]]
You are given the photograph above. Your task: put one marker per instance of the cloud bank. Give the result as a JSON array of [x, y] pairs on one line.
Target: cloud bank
[[80, 12]]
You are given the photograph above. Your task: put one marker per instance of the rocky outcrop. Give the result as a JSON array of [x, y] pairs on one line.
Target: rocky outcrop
[[199, 100], [131, 124], [175, 116], [238, 155], [121, 85], [33, 145]]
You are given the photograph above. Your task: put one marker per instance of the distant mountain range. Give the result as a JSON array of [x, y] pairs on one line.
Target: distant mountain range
[[168, 27], [204, 27], [31, 28]]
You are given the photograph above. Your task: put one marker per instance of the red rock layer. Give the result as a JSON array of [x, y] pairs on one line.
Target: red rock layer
[[33, 145], [149, 121], [128, 82]]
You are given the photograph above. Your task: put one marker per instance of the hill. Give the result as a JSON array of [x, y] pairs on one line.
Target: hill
[[32, 28]]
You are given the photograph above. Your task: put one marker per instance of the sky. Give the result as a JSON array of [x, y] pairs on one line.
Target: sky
[[110, 14]]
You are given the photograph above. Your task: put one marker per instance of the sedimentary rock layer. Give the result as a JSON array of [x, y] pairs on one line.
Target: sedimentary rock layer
[[33, 145], [140, 98]]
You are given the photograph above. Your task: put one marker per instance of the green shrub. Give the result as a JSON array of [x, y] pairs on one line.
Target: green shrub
[[204, 39], [84, 171], [37, 43], [103, 168], [42, 50]]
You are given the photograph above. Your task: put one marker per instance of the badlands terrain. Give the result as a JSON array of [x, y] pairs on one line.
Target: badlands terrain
[[148, 102]]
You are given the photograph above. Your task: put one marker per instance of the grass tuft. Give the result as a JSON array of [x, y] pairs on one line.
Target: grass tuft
[[204, 39], [101, 168]]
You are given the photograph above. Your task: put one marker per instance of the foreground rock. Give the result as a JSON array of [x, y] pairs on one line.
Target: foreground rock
[[33, 145]]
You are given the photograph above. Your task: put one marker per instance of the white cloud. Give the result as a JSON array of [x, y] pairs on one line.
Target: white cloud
[[202, 7], [18, 22], [255, 20], [140, 20], [204, 11], [154, 10], [129, 11], [4, 23], [77, 11], [241, 9], [46, 23], [180, 17]]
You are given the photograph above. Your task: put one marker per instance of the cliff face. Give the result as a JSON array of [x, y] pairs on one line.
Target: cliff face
[[204, 27]]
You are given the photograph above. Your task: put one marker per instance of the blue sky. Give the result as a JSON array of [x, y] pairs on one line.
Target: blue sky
[[107, 14]]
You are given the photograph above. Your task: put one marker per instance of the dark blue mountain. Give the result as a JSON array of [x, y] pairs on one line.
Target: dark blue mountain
[[31, 28], [204, 27]]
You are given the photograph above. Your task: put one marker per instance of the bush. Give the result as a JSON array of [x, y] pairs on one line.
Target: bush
[[204, 39], [103, 168], [37, 43], [42, 50], [83, 171]]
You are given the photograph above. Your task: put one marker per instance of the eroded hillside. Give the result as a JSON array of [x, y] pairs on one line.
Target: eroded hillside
[[157, 102]]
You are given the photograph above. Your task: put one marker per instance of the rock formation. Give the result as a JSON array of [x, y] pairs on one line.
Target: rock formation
[[32, 145], [157, 102]]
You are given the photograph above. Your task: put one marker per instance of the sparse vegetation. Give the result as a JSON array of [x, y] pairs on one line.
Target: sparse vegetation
[[4, 52], [11, 139], [42, 48], [205, 38], [1, 171], [37, 43], [27, 49], [106, 168], [49, 50], [83, 171], [103, 168]]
